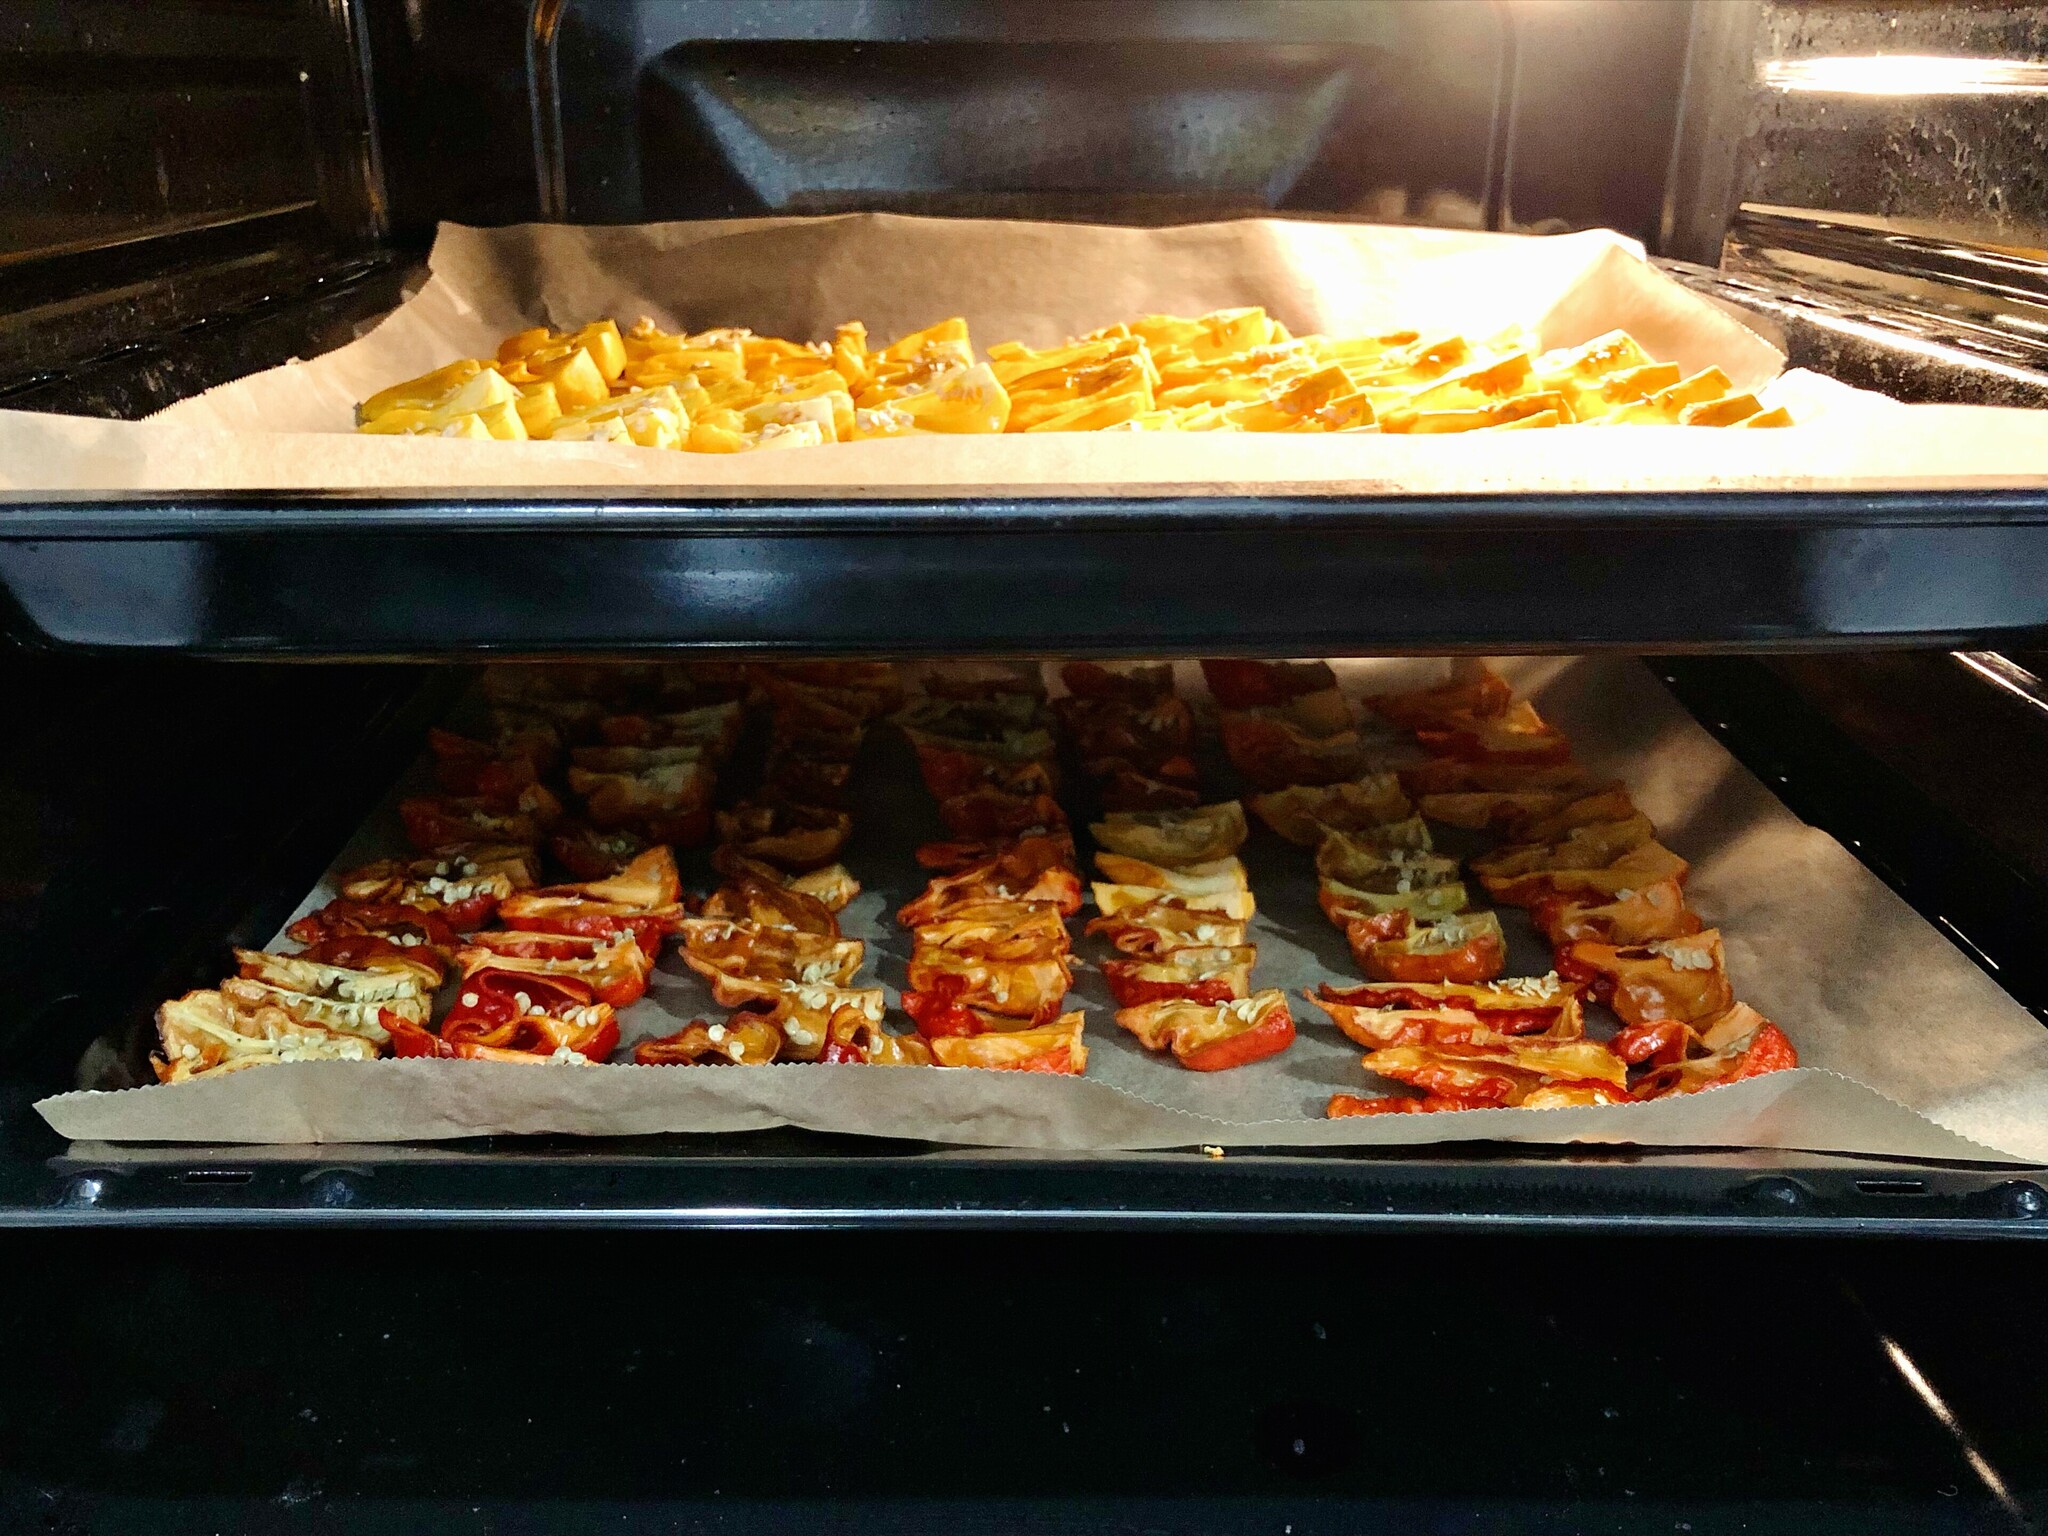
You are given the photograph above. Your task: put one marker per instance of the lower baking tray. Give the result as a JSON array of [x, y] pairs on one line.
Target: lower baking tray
[[793, 1178], [1918, 1055], [363, 575]]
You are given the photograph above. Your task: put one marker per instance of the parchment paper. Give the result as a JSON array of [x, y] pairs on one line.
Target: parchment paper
[[288, 427], [1909, 1050]]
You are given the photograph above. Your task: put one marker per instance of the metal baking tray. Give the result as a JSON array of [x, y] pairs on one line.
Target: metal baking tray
[[789, 1178], [621, 570], [264, 575]]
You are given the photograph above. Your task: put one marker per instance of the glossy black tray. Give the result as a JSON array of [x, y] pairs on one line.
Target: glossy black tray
[[357, 575], [795, 1179]]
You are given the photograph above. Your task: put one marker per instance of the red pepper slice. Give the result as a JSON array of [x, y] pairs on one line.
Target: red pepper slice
[[1518, 1021], [615, 969], [1489, 1091], [1376, 927], [361, 951], [1133, 991], [434, 822], [521, 944], [588, 854], [1506, 1021], [478, 1038], [1345, 1105], [1480, 960], [1126, 789], [1770, 1051], [1058, 1059], [951, 857], [1138, 686], [648, 931], [688, 829], [1659, 1043], [1484, 695], [1271, 1035], [951, 771], [496, 994], [384, 919], [410, 1039], [938, 1010], [471, 913], [474, 768], [1598, 984]]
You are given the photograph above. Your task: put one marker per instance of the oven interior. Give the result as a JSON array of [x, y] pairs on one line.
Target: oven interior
[[205, 197]]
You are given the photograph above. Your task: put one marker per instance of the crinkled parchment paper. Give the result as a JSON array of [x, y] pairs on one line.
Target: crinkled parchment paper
[[289, 427], [1909, 1050]]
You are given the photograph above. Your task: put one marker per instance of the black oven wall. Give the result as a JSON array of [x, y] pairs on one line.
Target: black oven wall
[[1452, 112], [172, 164]]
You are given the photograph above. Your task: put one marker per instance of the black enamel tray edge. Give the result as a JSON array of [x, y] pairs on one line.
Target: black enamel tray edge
[[666, 511], [811, 1187], [437, 576]]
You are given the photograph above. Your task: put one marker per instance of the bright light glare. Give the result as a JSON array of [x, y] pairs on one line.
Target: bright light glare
[[1905, 74], [1945, 1416]]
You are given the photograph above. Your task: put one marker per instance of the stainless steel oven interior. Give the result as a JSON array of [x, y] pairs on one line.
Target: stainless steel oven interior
[[197, 190]]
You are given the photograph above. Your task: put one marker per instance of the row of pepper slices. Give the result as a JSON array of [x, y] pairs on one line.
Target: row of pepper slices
[[1173, 900], [1436, 1013], [990, 956], [638, 750], [991, 959], [767, 941], [542, 970]]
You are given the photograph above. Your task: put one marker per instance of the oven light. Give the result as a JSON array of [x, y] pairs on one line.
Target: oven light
[[1905, 74]]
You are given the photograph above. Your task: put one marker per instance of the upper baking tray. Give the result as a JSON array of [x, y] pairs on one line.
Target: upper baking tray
[[361, 575]]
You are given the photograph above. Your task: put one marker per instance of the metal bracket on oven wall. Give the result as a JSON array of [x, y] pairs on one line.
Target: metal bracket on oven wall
[[544, 91], [343, 99]]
